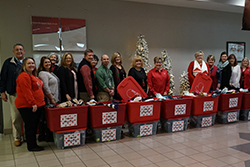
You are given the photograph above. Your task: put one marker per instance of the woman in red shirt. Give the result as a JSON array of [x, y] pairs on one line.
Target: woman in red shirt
[[158, 79], [197, 66], [245, 74], [30, 101]]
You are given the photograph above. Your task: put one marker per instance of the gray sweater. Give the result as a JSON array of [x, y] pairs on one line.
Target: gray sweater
[[51, 85]]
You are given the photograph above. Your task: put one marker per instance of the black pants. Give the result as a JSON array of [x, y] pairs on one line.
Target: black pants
[[31, 120]]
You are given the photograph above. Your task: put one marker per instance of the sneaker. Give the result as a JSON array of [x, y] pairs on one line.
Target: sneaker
[[17, 143]]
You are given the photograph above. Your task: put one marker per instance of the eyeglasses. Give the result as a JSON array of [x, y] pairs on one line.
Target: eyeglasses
[[159, 62]]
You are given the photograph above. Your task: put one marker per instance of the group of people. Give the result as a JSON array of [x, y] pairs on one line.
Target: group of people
[[227, 74], [28, 89]]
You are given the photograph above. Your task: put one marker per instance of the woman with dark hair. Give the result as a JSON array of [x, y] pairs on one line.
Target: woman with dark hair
[[158, 79], [51, 91], [138, 73], [234, 81], [30, 101], [225, 69], [68, 80], [93, 64], [245, 74], [54, 60], [50, 80], [215, 73], [118, 72]]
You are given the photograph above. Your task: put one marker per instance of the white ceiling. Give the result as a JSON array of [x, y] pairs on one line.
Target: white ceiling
[[235, 6]]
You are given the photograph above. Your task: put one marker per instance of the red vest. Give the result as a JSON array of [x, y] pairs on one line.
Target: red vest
[[214, 78]]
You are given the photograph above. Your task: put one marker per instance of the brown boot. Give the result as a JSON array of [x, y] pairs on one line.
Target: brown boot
[[17, 143]]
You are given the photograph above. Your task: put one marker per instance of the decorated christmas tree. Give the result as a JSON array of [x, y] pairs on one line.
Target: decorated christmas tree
[[184, 83], [142, 50], [167, 64]]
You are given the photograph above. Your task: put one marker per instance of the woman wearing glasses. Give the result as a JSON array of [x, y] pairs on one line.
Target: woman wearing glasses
[[197, 66]]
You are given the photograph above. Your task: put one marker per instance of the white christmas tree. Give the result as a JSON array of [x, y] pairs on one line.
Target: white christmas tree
[[167, 64], [184, 83], [142, 50]]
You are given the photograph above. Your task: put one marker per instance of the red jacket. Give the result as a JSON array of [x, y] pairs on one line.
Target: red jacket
[[158, 81], [29, 91], [190, 72], [246, 78]]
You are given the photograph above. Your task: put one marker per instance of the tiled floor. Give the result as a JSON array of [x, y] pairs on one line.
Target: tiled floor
[[197, 147]]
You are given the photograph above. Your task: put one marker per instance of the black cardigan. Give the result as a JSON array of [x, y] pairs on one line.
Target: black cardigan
[[225, 76], [140, 77], [66, 83]]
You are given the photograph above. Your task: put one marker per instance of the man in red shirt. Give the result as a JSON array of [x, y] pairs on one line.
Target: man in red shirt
[[85, 77]]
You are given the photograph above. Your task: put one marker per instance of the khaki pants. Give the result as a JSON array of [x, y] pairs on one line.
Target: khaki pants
[[103, 96], [16, 119], [84, 96]]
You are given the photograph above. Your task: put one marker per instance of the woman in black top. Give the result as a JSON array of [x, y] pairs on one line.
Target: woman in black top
[[138, 73], [225, 69], [118, 72], [68, 80]]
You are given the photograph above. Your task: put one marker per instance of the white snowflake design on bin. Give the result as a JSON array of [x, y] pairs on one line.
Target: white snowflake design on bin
[[177, 126], [68, 120], [109, 134], [146, 110], [207, 121], [232, 117], [208, 106], [109, 117], [233, 102], [146, 130], [180, 109], [72, 139]]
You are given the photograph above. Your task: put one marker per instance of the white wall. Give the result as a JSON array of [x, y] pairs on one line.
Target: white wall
[[115, 25]]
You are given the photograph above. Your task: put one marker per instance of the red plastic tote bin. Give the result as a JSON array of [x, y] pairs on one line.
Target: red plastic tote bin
[[202, 83], [176, 108], [102, 116], [68, 118], [230, 102], [129, 88], [143, 112], [245, 101], [206, 105]]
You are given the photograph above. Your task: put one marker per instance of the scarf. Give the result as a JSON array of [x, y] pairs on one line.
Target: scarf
[[197, 68], [221, 65]]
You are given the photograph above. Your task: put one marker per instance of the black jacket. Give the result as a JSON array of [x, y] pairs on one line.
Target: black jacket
[[225, 76], [66, 83], [9, 74]]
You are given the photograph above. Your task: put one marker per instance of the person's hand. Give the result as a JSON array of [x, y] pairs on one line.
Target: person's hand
[[165, 93], [68, 97], [111, 93], [53, 102], [34, 108], [4, 96]]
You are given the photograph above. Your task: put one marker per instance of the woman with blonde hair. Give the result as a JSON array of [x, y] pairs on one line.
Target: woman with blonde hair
[[68, 78], [118, 71], [245, 74], [138, 73], [197, 66], [158, 79]]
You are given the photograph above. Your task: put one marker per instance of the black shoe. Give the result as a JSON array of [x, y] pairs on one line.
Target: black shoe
[[38, 148]]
